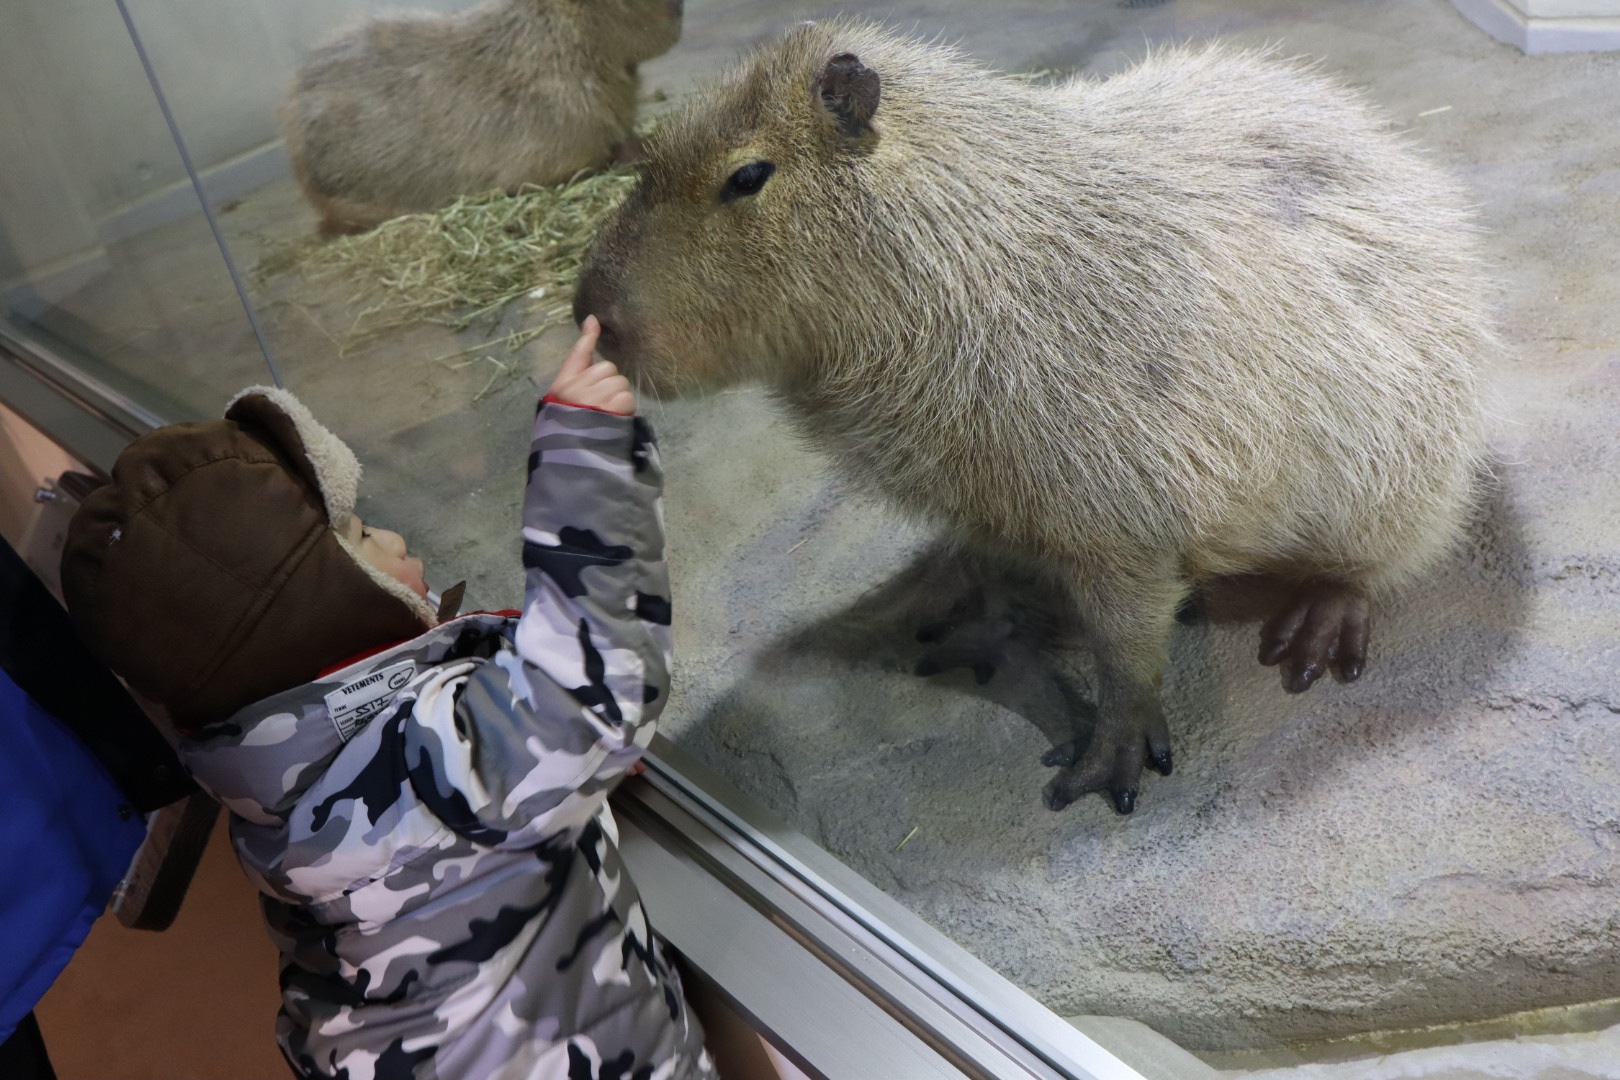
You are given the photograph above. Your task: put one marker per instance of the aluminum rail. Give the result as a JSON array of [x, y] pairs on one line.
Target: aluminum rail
[[90, 419]]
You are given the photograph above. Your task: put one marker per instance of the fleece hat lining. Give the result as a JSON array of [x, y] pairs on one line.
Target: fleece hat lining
[[335, 472]]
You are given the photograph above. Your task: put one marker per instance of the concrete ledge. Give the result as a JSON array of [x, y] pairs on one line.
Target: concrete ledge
[[38, 289], [1587, 1056], [1533, 35], [1142, 1048], [1567, 9], [227, 180]]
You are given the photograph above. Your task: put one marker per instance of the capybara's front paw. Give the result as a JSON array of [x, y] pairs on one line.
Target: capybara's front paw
[[1111, 762], [1322, 628]]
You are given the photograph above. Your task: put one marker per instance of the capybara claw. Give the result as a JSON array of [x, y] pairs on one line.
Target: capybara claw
[[1061, 756], [1163, 762], [1124, 801], [1055, 797], [1302, 679]]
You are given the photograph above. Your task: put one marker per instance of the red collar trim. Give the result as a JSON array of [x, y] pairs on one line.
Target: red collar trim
[[555, 400]]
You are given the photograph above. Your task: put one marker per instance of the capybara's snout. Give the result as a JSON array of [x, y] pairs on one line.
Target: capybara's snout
[[596, 295]]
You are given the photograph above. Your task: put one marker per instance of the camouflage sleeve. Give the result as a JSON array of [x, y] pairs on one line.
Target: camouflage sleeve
[[540, 735]]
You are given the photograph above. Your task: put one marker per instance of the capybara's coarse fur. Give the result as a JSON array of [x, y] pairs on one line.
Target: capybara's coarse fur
[[1203, 319], [406, 112]]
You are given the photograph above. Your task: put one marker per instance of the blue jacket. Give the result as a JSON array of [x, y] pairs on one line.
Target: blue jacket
[[70, 833]]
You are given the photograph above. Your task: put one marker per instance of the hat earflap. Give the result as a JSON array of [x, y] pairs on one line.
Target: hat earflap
[[320, 457], [393, 586], [329, 467]]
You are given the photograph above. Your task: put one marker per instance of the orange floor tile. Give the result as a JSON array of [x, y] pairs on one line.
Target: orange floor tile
[[195, 1002]]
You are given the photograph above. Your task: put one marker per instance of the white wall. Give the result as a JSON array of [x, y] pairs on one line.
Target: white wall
[[1548, 26]]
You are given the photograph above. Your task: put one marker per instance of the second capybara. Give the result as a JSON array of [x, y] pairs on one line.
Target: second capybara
[[406, 112], [1206, 319]]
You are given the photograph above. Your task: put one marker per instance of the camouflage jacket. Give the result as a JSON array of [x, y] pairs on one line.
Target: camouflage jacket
[[429, 827]]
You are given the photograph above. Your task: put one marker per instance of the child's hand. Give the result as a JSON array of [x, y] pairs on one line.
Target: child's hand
[[597, 385]]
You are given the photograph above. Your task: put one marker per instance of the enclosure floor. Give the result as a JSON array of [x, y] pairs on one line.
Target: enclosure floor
[[1434, 844]]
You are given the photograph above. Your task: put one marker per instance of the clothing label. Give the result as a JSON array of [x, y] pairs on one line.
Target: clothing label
[[353, 704]]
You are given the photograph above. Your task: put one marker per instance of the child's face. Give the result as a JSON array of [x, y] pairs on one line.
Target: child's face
[[386, 551]]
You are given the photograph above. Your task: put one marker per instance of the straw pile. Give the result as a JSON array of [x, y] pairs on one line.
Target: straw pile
[[466, 263]]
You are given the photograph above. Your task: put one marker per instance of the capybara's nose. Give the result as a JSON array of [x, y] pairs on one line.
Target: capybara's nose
[[609, 341], [591, 298], [582, 302], [595, 297]]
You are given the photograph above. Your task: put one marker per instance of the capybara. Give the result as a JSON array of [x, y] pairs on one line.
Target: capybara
[[1202, 320], [406, 112]]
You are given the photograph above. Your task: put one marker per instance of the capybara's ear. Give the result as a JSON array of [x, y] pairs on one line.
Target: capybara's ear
[[849, 90]]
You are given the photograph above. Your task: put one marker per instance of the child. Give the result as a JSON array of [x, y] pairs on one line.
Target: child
[[426, 818]]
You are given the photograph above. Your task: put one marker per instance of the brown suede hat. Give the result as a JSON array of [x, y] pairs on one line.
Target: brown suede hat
[[211, 573]]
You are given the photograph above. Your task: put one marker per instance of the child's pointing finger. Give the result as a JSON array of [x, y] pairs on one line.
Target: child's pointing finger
[[594, 385], [580, 357]]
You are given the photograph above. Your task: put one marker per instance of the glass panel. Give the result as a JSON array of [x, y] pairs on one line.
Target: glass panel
[[435, 414], [1430, 846], [105, 257]]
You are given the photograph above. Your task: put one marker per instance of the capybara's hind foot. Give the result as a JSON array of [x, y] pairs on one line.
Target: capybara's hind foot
[[1322, 628]]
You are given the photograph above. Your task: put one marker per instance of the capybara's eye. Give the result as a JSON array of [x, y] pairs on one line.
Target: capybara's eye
[[746, 180]]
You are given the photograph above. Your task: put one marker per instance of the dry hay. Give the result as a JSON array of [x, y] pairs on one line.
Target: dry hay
[[463, 264]]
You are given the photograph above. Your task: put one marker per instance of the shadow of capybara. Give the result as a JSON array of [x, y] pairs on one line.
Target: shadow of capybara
[[406, 112], [1206, 319]]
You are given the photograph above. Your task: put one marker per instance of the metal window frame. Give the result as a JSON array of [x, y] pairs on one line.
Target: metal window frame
[[86, 417]]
